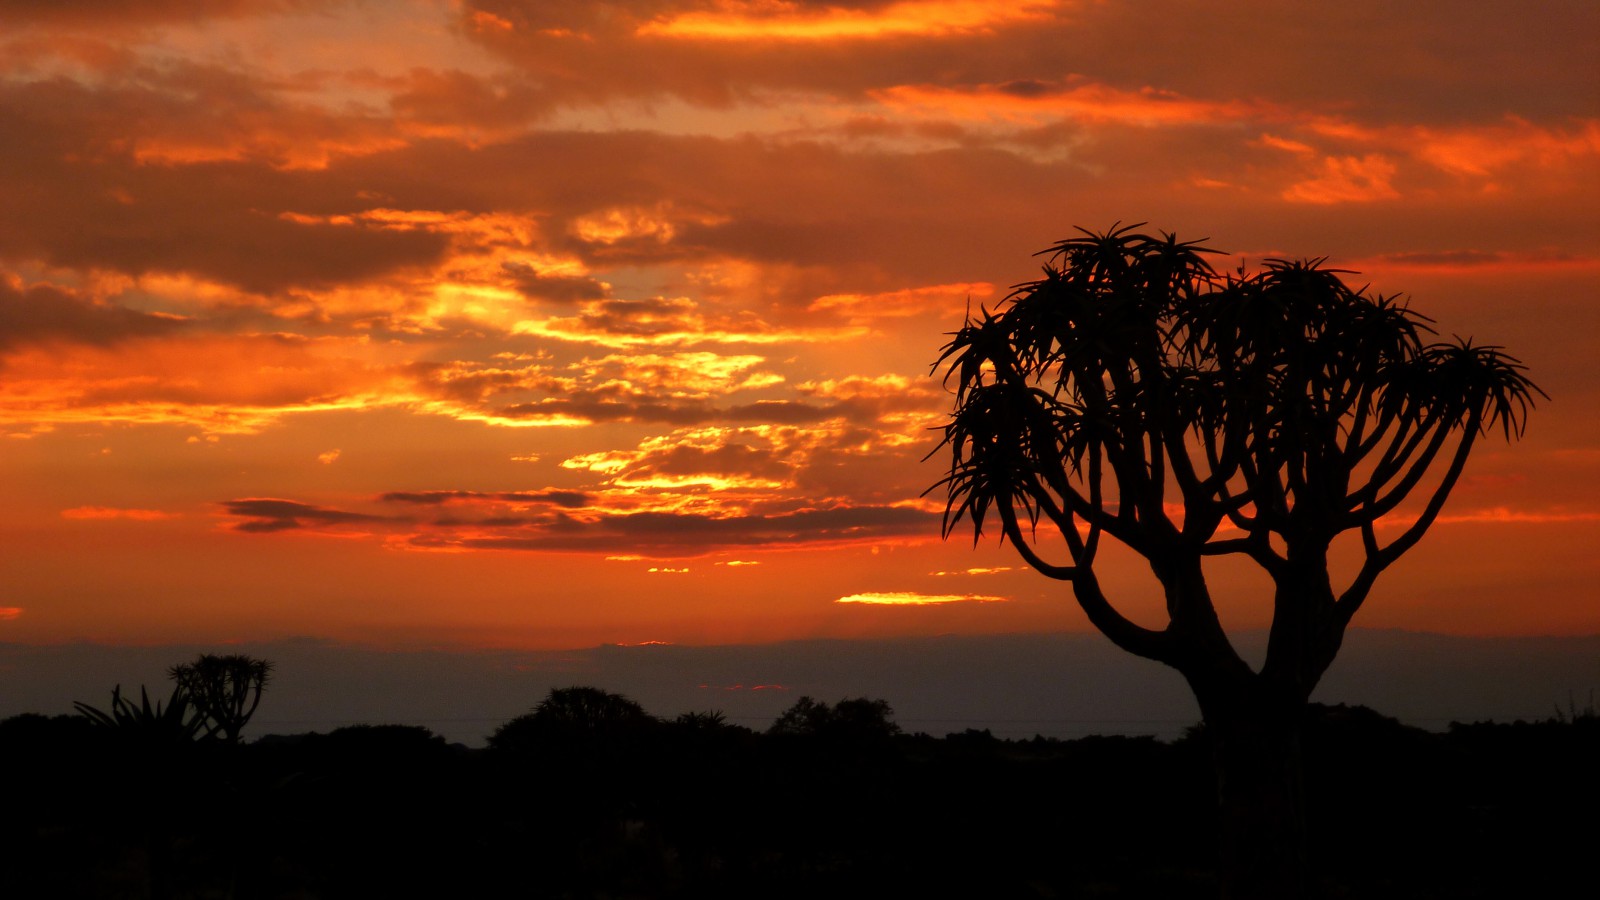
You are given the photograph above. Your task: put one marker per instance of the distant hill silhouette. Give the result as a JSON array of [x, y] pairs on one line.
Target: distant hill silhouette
[[1016, 685]]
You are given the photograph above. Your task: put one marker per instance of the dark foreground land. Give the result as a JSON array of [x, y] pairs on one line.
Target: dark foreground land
[[700, 809]]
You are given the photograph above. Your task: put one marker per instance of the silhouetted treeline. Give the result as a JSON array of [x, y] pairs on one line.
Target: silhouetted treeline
[[588, 796]]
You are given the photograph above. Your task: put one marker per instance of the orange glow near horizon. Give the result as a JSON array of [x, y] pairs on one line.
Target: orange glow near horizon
[[505, 323]]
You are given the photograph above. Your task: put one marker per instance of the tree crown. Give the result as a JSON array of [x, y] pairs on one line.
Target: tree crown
[[1135, 391]]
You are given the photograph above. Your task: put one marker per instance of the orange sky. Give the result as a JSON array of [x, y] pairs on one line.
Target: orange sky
[[546, 324]]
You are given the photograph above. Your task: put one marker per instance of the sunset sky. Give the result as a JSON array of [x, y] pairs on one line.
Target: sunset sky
[[503, 323]]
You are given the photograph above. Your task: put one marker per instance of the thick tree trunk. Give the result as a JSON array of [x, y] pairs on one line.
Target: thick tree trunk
[[1256, 752]]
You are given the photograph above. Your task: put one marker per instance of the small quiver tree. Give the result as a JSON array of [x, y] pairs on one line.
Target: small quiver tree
[[225, 690], [1134, 393]]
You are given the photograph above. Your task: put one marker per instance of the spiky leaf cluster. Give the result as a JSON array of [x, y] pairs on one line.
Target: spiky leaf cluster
[[1135, 391], [224, 689]]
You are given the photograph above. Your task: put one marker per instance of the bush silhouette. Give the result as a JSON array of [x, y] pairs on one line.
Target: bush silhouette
[[573, 715], [849, 719]]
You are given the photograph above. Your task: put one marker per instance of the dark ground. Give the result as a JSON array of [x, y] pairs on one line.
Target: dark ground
[[701, 809]]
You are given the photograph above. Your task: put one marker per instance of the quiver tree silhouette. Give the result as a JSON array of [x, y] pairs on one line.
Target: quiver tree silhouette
[[1135, 393], [225, 690]]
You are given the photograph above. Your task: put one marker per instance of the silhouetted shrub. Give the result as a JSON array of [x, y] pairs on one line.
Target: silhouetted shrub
[[586, 718], [849, 719]]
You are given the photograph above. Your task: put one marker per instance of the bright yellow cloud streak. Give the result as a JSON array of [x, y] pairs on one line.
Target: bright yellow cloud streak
[[704, 481], [464, 413], [783, 21], [912, 598]]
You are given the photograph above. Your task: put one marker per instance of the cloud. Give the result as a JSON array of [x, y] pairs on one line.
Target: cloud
[[764, 22], [941, 299], [1347, 179], [464, 106], [568, 499], [83, 196], [268, 515], [665, 322], [1485, 60], [101, 12], [42, 313], [693, 374], [610, 524], [1506, 515], [1487, 150], [689, 534], [216, 382], [676, 387], [7, 613], [724, 467], [1478, 261], [892, 391], [113, 512], [798, 463], [683, 388], [1033, 102], [536, 285]]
